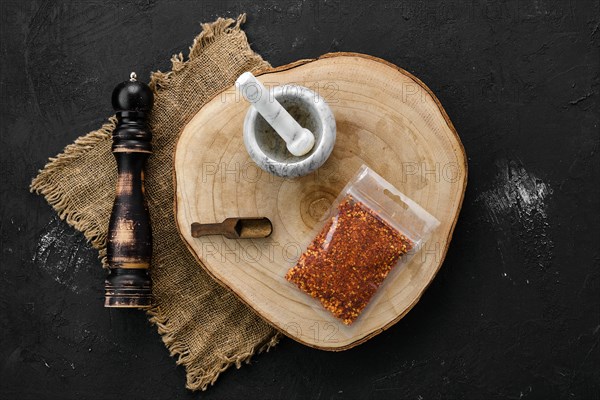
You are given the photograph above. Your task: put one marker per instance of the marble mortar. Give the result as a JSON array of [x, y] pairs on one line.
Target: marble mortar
[[268, 150]]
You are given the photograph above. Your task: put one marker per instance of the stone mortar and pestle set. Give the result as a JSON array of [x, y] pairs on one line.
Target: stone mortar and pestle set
[[290, 131]]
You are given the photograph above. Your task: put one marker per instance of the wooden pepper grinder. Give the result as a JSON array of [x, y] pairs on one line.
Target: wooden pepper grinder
[[129, 245]]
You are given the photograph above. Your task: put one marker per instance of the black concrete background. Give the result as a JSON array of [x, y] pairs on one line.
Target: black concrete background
[[514, 311]]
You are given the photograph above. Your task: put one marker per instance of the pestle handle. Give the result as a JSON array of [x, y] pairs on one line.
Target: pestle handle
[[299, 141]]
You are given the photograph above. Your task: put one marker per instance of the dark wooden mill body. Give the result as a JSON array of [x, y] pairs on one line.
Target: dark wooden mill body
[[129, 246]]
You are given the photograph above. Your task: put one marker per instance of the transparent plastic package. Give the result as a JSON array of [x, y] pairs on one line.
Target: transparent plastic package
[[371, 231]]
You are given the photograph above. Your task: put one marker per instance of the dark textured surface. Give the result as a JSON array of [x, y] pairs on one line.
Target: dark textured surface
[[515, 310]]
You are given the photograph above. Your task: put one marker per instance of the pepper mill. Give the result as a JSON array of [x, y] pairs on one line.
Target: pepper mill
[[129, 246]]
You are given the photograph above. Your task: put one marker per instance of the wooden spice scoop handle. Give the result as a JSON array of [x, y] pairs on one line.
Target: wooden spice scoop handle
[[235, 228]]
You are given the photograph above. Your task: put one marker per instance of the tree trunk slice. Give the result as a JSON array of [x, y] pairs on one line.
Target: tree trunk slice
[[386, 119]]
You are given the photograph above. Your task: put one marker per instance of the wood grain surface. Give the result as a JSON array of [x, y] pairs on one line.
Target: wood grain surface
[[386, 119]]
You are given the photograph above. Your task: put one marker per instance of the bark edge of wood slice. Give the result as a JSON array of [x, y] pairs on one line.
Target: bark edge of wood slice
[[387, 119]]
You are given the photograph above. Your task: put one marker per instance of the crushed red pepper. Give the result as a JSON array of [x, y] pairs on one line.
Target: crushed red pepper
[[348, 260]]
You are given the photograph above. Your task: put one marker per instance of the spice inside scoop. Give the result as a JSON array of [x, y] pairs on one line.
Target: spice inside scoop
[[235, 228]]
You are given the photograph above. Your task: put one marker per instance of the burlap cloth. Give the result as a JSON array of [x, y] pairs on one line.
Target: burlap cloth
[[200, 322]]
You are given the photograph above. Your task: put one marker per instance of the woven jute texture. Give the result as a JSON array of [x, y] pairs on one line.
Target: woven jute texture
[[201, 323]]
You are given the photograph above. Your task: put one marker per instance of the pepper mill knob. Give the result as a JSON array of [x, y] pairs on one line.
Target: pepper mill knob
[[129, 242], [132, 96]]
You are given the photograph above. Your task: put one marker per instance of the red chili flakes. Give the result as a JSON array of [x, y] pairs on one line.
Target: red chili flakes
[[348, 260]]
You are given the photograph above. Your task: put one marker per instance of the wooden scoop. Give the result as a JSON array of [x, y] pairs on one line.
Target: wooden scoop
[[235, 228]]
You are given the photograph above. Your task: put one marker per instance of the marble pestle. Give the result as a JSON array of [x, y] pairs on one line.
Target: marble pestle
[[299, 141]]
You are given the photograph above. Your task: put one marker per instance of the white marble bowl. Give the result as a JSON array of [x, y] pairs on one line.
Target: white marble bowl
[[268, 149]]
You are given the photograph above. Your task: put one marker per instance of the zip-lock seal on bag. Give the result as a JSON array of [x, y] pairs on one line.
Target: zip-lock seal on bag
[[372, 230]]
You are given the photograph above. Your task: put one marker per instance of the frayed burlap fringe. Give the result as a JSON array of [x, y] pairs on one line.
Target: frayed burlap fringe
[[43, 184], [197, 377], [184, 325], [210, 31]]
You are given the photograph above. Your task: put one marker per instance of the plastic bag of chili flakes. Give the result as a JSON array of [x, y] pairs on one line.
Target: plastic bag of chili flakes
[[371, 231]]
